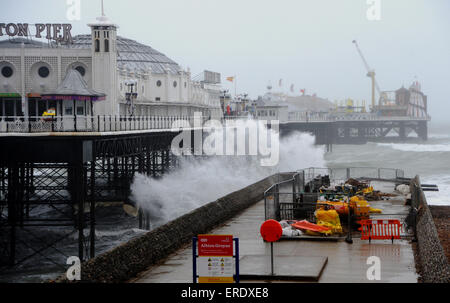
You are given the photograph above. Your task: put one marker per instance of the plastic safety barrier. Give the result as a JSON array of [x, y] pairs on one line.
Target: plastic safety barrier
[[305, 225], [380, 229]]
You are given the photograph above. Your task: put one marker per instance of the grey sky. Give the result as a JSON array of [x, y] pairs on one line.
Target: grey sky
[[306, 43]]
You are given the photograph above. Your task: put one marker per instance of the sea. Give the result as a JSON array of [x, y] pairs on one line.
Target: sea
[[429, 159]]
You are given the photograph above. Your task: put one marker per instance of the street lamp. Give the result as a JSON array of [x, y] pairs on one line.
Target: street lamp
[[224, 96], [130, 96]]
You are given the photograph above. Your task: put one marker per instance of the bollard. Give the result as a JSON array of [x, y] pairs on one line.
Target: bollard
[[349, 239]]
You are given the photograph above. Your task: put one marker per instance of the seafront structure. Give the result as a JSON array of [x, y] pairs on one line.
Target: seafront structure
[[112, 100], [135, 78], [396, 115], [114, 103]]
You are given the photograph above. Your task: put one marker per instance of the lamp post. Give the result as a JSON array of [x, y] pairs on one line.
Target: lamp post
[[131, 95], [223, 103]]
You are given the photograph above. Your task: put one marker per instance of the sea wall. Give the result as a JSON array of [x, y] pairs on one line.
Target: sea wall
[[127, 260], [434, 266]]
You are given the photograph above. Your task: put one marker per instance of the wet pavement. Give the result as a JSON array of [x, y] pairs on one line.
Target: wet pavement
[[345, 262]]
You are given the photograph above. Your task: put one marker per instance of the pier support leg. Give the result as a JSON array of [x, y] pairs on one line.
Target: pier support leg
[[402, 131], [79, 197], [148, 161], [13, 180], [78, 193], [423, 130]]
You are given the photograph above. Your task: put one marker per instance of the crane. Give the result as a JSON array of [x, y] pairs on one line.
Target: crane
[[371, 74]]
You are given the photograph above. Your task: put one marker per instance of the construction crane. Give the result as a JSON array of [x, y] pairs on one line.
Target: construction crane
[[371, 74]]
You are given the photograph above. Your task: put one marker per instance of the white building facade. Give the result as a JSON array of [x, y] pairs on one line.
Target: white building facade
[[136, 79]]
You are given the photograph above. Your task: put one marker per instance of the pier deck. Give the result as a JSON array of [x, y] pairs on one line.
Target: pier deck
[[346, 262]]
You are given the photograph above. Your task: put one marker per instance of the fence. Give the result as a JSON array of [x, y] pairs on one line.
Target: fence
[[281, 197], [331, 117], [341, 174], [37, 124], [100, 123], [296, 197], [287, 199]]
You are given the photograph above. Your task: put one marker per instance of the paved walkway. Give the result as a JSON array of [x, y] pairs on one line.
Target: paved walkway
[[346, 262]]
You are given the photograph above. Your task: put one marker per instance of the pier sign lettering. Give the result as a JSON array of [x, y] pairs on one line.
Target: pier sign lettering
[[49, 31], [215, 258]]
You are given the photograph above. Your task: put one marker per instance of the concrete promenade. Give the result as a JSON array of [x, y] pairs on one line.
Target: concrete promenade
[[346, 262]]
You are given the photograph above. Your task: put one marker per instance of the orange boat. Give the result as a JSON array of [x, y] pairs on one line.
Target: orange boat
[[305, 225]]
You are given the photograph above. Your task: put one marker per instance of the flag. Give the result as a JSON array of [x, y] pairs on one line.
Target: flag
[[280, 83], [302, 91], [231, 79], [292, 88]]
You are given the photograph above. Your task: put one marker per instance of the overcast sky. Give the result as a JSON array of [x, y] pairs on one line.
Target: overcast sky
[[307, 43]]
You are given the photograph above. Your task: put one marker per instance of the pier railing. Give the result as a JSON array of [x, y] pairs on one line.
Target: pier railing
[[375, 117], [333, 117], [101, 123], [109, 123]]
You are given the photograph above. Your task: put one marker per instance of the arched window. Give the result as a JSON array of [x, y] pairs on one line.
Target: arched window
[[81, 70], [106, 45], [97, 45]]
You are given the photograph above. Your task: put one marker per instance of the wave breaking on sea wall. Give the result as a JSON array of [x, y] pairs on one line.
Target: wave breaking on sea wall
[[201, 180]]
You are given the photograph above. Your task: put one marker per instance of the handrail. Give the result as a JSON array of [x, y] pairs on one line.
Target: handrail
[[281, 182], [98, 123], [82, 123], [298, 197], [399, 173]]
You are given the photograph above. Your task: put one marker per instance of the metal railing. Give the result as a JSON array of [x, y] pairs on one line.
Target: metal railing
[[374, 117], [297, 197], [39, 124], [331, 117], [281, 193], [340, 174], [309, 117], [299, 193], [105, 123]]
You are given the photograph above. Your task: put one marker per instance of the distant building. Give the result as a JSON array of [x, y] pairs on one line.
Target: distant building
[[240, 105], [278, 106], [271, 110], [410, 102]]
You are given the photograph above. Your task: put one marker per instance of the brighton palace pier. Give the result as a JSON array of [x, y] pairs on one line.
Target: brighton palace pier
[[117, 76]]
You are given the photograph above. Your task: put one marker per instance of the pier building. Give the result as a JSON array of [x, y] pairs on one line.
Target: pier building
[[135, 78]]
